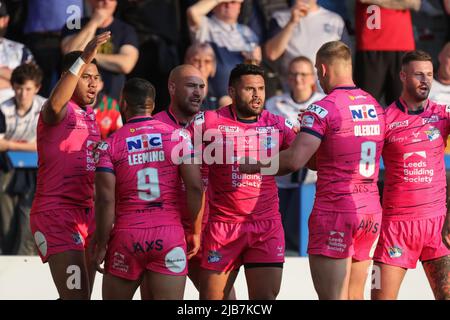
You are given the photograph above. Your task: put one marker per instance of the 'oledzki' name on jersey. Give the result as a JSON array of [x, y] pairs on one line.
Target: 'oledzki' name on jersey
[[367, 130]]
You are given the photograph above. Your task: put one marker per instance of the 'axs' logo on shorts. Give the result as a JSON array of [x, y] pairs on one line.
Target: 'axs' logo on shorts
[[144, 142], [363, 112]]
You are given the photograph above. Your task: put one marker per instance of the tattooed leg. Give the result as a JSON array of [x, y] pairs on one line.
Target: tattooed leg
[[438, 274]]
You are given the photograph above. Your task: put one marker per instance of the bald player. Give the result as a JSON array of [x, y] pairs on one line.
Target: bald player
[[187, 89], [346, 131]]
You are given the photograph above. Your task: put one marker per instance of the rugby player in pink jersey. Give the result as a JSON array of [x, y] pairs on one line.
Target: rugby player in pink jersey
[[138, 178], [346, 132], [244, 225], [62, 217], [187, 90], [415, 185]]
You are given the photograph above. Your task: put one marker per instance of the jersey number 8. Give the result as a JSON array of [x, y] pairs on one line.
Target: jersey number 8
[[367, 163]]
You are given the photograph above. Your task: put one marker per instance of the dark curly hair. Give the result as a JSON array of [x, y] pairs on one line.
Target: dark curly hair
[[243, 69]]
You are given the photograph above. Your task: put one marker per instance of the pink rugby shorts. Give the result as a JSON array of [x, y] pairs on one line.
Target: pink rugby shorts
[[57, 231], [403, 243], [227, 246], [159, 249], [343, 235]]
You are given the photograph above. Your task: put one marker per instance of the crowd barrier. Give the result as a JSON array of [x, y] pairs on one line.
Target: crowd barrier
[[23, 159]]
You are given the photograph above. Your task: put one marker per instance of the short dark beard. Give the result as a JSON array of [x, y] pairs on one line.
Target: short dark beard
[[244, 110], [414, 94], [91, 102]]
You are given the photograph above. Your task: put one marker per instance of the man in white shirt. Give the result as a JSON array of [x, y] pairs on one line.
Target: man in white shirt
[[233, 43], [302, 30], [19, 116], [12, 54], [440, 89]]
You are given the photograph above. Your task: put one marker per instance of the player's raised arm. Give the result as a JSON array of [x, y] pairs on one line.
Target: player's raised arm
[[191, 175], [54, 110]]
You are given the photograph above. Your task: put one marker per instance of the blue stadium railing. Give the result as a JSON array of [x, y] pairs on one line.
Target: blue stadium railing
[[23, 159]]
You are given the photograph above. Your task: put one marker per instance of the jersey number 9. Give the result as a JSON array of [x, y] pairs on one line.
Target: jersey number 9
[[148, 184]]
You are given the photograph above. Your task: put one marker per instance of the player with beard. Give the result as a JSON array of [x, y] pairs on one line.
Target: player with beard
[[62, 216], [244, 225], [346, 132], [415, 184], [187, 89]]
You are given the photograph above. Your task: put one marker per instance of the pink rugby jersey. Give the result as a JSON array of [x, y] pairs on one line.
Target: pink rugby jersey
[[234, 196], [168, 118], [413, 154], [147, 178], [350, 124], [66, 166]]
